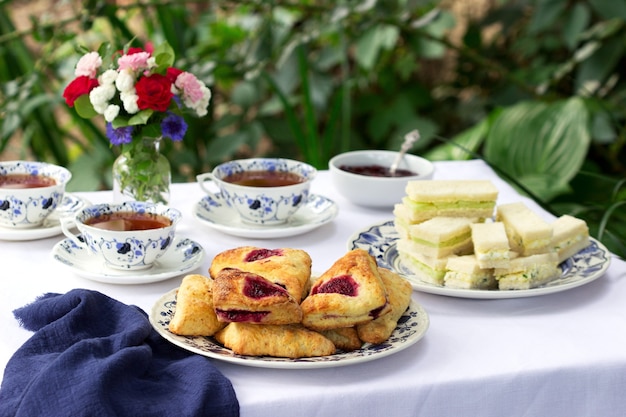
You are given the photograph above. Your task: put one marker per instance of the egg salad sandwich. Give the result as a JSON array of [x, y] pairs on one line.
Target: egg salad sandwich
[[528, 233], [570, 235], [449, 198], [464, 272], [491, 245], [442, 236], [425, 268], [527, 272]]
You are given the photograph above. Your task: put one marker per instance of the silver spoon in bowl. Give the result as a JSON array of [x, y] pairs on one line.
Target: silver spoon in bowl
[[409, 139]]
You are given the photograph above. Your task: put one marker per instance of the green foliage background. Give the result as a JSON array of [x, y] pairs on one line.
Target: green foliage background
[[533, 87]]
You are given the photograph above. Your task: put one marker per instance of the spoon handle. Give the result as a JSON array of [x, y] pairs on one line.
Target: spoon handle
[[409, 139]]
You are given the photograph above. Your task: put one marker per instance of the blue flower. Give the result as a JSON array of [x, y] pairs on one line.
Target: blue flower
[[173, 127], [120, 135]]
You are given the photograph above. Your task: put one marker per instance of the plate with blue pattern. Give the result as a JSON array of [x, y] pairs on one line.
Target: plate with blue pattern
[[183, 257], [410, 329], [214, 212], [582, 268]]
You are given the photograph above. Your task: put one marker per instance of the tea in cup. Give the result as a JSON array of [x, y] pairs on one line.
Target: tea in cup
[[264, 191], [127, 236], [29, 192]]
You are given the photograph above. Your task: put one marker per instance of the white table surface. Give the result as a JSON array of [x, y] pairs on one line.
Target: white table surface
[[560, 354]]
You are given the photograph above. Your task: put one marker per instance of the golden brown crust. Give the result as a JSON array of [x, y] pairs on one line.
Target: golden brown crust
[[288, 341], [240, 296], [399, 292], [194, 315], [344, 338], [287, 267], [351, 292]]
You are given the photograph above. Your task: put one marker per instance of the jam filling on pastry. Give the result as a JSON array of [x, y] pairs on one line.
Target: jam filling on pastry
[[259, 254], [343, 284], [258, 288], [376, 312], [241, 315]]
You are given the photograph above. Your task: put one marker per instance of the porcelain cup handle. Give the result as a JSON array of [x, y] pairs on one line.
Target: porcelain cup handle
[[67, 224], [202, 178]]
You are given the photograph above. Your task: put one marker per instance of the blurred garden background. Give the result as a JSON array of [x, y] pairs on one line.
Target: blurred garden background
[[536, 88]]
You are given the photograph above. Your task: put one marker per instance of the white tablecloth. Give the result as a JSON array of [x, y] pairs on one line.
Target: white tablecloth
[[562, 354]]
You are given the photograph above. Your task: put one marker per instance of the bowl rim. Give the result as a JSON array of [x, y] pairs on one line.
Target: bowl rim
[[428, 165]]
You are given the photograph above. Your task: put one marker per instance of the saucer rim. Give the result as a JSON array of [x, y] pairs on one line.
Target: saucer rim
[[112, 276], [270, 231]]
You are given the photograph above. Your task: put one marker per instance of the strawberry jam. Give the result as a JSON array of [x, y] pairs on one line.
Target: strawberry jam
[[241, 316], [343, 284], [255, 287], [259, 254]]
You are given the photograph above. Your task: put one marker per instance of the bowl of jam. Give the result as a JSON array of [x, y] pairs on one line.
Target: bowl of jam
[[364, 177]]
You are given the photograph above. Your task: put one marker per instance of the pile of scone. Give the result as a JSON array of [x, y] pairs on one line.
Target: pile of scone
[[264, 302]]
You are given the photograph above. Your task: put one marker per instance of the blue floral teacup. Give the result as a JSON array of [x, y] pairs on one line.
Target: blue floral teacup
[[128, 236], [264, 191], [30, 192]]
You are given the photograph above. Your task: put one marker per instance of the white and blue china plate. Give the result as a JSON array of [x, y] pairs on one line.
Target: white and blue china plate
[[182, 257], [51, 225], [214, 212], [584, 267], [411, 328]]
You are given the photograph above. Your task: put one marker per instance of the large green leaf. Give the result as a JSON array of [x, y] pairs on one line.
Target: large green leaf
[[540, 145]]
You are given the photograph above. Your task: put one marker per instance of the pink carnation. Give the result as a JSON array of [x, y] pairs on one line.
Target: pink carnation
[[134, 61], [88, 65], [190, 86]]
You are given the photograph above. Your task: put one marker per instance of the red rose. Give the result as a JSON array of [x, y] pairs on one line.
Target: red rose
[[173, 73], [154, 92], [79, 86]]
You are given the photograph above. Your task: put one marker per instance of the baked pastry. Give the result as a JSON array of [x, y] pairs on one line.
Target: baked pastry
[[344, 338], [194, 315], [240, 296], [287, 267], [399, 292], [351, 292], [287, 341]]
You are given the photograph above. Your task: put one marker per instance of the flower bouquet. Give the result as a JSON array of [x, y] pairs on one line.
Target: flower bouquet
[[142, 98]]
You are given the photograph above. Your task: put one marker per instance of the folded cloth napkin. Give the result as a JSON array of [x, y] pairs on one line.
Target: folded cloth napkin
[[92, 355]]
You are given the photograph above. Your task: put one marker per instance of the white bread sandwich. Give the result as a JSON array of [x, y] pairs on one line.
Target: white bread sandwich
[[425, 268], [570, 235], [464, 272], [491, 245], [442, 236], [528, 233], [450, 198], [527, 272]]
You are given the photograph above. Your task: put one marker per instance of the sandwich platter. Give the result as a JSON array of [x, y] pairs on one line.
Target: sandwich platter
[[584, 267]]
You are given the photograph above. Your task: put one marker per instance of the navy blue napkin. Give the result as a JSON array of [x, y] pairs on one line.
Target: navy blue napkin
[[92, 355]]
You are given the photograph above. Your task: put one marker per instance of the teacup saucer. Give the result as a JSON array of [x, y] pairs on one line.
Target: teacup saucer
[[184, 256], [51, 226], [214, 212]]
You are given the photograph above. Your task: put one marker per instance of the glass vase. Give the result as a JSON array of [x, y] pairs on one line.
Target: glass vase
[[142, 173]]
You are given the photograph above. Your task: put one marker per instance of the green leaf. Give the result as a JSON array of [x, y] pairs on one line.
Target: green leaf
[[164, 56], [140, 118], [577, 20], [84, 108], [545, 14], [463, 146], [542, 145], [375, 39]]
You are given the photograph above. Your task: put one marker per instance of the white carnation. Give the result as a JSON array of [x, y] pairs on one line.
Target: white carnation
[[108, 77], [111, 112], [101, 95], [129, 99], [151, 62], [125, 81]]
